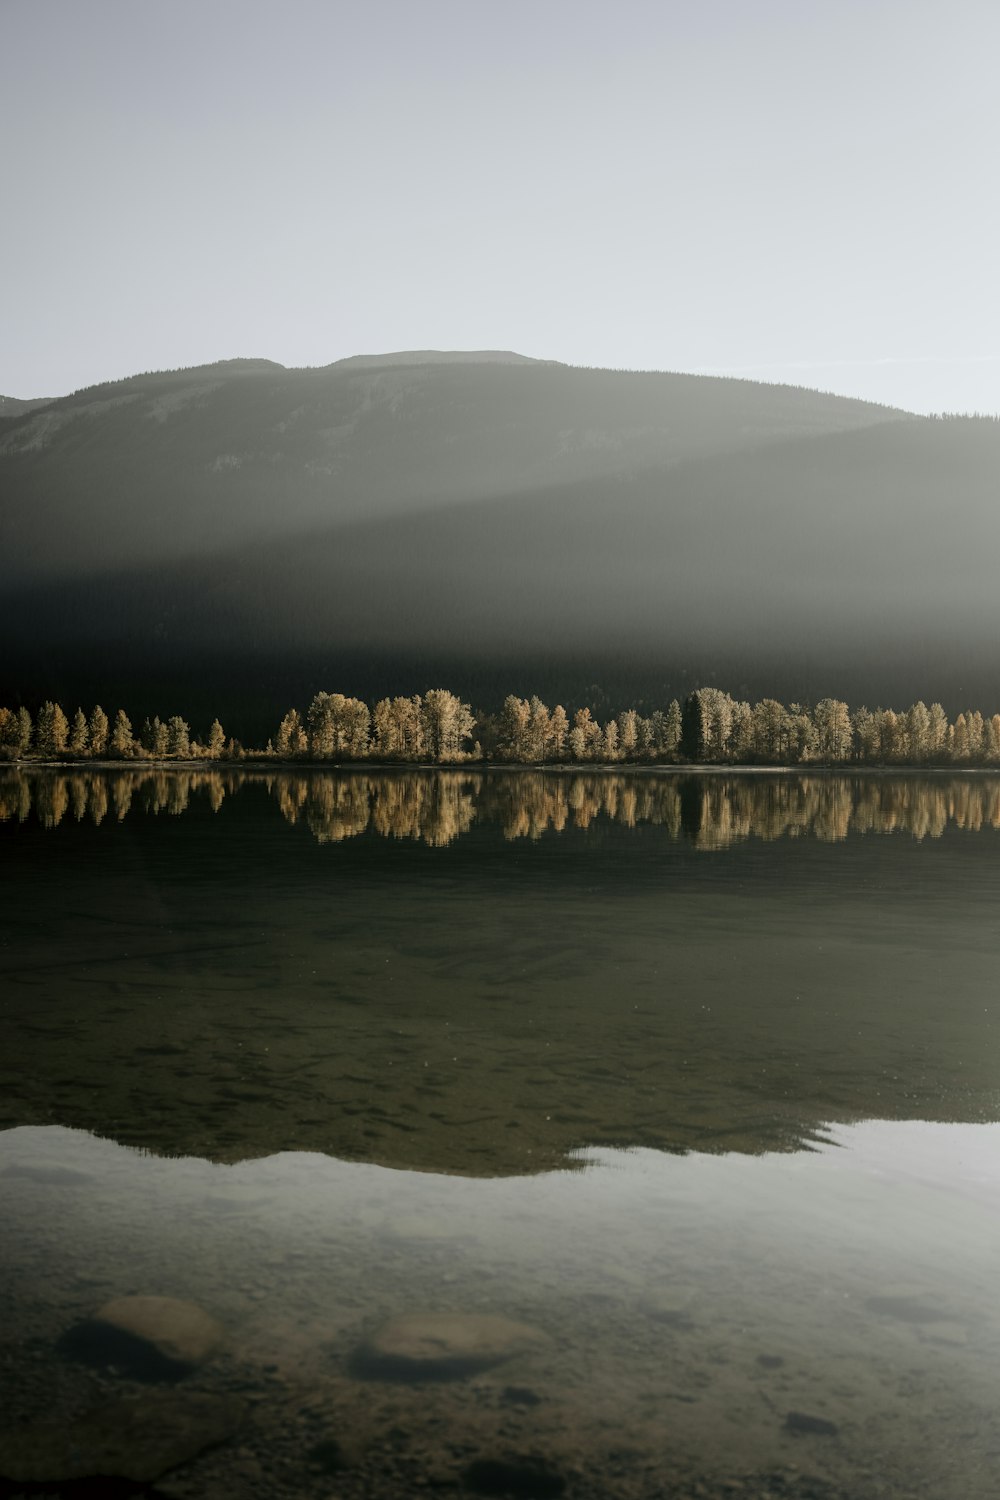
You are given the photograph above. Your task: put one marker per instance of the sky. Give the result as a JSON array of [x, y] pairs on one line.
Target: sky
[[799, 191]]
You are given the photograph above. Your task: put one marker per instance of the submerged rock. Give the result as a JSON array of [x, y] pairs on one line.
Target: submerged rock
[[529, 1478], [138, 1439], [802, 1422], [442, 1346], [153, 1337]]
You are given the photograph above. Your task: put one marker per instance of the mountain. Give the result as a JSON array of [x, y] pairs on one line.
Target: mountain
[[242, 534], [10, 406]]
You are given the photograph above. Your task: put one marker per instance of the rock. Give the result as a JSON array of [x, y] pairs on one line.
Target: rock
[[520, 1395], [529, 1478], [442, 1346], [151, 1337], [802, 1422], [328, 1456], [138, 1440]]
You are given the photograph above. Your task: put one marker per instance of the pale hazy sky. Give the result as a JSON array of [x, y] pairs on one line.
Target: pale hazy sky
[[800, 190]]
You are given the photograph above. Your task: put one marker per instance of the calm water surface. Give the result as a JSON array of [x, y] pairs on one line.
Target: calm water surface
[[698, 1077]]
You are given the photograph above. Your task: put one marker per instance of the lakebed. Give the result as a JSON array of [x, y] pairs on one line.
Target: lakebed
[[700, 1091]]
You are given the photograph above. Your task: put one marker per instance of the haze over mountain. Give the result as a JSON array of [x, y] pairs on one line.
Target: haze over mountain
[[241, 532]]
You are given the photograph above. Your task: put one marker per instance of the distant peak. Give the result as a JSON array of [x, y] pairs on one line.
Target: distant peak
[[436, 357], [239, 366]]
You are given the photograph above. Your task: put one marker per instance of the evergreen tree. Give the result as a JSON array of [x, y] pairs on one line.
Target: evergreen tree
[[918, 726], [706, 724], [51, 732], [801, 733], [178, 737], [866, 728], [628, 734], [386, 742], [447, 723], [741, 733], [319, 718], [558, 733], [539, 721], [24, 732], [122, 742], [671, 741], [78, 741], [937, 732], [960, 739], [97, 731], [832, 721], [585, 736], [291, 737], [216, 740], [991, 749], [15, 731], [513, 729]]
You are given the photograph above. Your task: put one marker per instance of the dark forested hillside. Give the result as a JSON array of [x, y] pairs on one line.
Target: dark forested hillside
[[170, 464], [487, 520]]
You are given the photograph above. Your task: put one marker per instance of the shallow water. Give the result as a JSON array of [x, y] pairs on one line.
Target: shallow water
[[697, 1076]]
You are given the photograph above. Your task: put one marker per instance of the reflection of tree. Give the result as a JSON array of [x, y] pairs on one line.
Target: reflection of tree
[[92, 793], [78, 797], [52, 800], [434, 809], [437, 807], [97, 798]]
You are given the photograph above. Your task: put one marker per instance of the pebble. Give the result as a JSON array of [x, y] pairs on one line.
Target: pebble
[[442, 1346], [522, 1477], [139, 1439]]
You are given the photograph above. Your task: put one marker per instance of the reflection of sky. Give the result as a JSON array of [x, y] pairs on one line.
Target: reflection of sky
[[911, 1191], [854, 1281]]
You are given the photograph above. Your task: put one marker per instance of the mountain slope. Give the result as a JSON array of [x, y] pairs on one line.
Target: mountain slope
[[246, 534], [163, 466]]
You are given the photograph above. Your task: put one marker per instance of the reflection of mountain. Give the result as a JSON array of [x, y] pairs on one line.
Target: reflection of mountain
[[236, 532], [437, 807], [211, 985]]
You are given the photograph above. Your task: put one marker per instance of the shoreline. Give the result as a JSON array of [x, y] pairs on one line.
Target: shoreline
[[261, 764]]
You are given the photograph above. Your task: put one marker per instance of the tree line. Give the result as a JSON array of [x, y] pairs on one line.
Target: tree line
[[51, 735], [709, 727]]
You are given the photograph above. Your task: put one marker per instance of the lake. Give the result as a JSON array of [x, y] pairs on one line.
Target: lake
[[617, 1134]]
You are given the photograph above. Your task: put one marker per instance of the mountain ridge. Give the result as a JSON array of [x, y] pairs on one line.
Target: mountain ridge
[[464, 515]]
